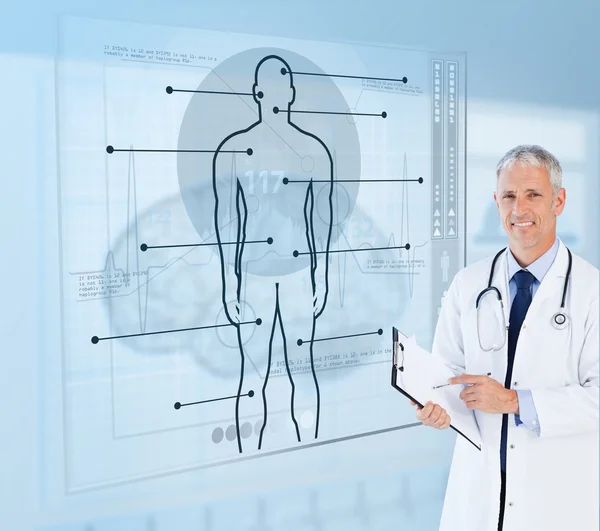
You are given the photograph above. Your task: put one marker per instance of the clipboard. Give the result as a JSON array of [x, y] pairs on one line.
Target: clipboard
[[398, 349]]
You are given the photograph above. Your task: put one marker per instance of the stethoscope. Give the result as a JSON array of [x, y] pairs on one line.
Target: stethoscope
[[559, 319]]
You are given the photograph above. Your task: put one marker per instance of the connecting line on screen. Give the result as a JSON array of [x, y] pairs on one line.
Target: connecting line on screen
[[111, 149], [277, 110], [170, 90], [144, 247], [179, 405], [379, 332], [96, 339], [419, 180], [395, 80], [407, 247]]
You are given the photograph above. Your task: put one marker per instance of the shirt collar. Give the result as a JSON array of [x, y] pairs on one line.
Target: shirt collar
[[539, 268]]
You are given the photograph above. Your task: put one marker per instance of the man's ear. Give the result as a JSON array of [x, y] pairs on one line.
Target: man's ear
[[559, 202]]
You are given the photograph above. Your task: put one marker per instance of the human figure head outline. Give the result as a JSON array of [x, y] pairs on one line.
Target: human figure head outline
[[270, 85]]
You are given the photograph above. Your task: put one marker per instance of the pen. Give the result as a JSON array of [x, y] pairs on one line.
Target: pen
[[444, 385]]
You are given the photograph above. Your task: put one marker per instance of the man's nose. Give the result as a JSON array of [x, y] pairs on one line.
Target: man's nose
[[519, 206]]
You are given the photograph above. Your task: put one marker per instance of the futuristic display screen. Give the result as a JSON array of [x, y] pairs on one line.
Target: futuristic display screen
[[243, 220]]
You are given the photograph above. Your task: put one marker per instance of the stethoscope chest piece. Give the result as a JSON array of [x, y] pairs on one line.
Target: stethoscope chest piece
[[560, 321]]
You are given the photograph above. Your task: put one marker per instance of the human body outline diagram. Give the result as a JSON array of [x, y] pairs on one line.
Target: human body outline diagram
[[273, 222]]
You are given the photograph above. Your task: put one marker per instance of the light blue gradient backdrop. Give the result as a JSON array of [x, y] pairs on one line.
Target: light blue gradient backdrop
[[532, 77]]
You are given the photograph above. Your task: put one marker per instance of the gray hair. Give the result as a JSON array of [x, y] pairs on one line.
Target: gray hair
[[533, 155]]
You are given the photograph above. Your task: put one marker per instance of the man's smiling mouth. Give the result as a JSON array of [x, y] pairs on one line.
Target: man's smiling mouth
[[523, 223]]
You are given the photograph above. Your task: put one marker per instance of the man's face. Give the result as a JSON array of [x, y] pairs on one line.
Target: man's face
[[526, 206]]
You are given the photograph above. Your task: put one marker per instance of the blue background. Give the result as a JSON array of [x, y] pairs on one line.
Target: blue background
[[532, 77]]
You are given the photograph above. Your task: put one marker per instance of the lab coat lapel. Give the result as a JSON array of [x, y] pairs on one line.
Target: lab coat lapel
[[501, 281], [551, 285]]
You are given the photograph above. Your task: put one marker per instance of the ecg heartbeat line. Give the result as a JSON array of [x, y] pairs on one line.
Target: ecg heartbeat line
[[394, 243]]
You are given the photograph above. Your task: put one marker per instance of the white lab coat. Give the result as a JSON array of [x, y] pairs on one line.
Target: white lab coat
[[551, 481]]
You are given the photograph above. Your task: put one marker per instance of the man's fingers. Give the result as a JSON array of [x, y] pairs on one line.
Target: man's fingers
[[427, 410], [468, 392], [471, 395], [430, 413], [433, 415], [424, 412], [436, 414], [441, 420], [468, 379], [446, 423]]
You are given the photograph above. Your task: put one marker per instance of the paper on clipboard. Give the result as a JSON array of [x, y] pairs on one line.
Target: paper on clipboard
[[416, 373]]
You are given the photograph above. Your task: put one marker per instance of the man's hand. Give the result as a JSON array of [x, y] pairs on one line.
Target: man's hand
[[433, 415], [486, 394]]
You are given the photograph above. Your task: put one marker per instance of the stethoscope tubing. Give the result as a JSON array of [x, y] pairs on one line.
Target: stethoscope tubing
[[558, 319]]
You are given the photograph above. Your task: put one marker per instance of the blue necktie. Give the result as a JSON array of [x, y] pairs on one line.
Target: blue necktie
[[518, 310]]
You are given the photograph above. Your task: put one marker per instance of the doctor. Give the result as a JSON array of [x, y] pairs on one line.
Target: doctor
[[538, 411]]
